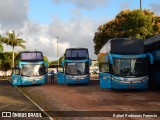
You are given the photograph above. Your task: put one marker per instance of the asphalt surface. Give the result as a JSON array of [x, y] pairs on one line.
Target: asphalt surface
[[13, 101], [77, 102], [90, 102]]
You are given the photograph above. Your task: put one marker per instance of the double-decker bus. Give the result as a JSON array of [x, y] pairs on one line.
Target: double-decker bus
[[31, 69], [123, 64], [152, 45], [76, 67]]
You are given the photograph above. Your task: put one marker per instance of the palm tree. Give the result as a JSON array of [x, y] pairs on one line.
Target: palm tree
[[13, 40]]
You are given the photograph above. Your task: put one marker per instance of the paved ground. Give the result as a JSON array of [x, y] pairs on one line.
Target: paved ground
[[11, 99], [92, 98], [73, 100]]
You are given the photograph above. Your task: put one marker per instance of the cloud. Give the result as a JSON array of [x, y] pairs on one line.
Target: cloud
[[74, 33], [77, 33], [37, 38], [13, 12], [155, 8], [85, 4]]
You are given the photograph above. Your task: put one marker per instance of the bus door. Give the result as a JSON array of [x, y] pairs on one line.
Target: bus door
[[60, 76], [105, 76], [16, 76]]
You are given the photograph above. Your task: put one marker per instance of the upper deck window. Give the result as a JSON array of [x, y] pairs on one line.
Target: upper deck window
[[76, 54], [25, 56]]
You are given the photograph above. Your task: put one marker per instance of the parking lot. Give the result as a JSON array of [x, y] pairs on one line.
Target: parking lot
[[71, 101]]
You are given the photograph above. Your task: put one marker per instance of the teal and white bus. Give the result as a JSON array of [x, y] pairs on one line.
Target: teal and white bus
[[31, 69], [76, 67], [123, 64]]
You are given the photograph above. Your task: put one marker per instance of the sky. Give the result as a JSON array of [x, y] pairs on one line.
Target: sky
[[74, 22]]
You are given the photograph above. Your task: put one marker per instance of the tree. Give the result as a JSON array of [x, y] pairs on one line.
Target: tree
[[128, 23], [46, 59], [61, 59], [6, 60], [55, 62], [13, 40], [1, 48]]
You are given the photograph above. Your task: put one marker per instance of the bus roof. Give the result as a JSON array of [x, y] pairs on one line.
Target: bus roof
[[123, 46], [30, 51], [153, 39], [152, 43], [77, 49]]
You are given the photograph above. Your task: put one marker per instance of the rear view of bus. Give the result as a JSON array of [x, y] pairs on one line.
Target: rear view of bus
[[31, 69], [76, 67]]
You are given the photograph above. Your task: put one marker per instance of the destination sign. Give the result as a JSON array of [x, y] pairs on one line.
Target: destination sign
[[31, 56]]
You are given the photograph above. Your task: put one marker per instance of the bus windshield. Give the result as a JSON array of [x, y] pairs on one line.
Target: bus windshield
[[130, 67], [77, 68], [33, 70]]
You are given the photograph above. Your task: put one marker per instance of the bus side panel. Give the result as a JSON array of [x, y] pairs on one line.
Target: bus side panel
[[16, 79], [60, 78], [105, 80], [155, 78]]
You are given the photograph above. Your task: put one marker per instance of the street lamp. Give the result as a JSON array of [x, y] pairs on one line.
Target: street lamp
[[140, 4], [57, 46], [57, 50]]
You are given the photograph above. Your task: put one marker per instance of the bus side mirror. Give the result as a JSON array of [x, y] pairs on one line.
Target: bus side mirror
[[151, 58], [111, 59]]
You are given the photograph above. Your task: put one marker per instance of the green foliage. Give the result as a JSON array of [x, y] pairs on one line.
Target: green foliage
[[13, 40], [1, 48], [17, 59], [131, 24], [6, 60], [55, 62], [60, 60], [46, 59]]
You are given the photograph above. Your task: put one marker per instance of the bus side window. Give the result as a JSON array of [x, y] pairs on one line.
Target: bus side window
[[104, 67]]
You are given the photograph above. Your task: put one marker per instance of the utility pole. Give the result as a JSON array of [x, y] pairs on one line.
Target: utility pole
[[57, 46], [140, 4], [57, 51]]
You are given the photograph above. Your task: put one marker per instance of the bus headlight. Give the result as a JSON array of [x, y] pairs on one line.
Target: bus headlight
[[67, 76], [39, 78]]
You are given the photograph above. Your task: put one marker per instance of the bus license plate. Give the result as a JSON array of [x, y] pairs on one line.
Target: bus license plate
[[130, 86], [105, 77]]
